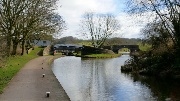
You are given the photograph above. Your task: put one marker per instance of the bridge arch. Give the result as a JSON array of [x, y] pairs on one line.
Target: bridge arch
[[116, 48]]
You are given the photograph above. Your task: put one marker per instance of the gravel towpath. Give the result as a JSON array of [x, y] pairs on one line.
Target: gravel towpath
[[30, 85]]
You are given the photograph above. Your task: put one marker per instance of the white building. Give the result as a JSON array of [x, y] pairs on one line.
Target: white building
[[42, 43]]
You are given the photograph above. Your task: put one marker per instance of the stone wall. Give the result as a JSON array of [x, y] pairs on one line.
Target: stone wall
[[48, 50]]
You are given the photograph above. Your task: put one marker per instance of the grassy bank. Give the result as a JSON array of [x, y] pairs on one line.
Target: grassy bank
[[13, 65], [144, 47], [101, 56]]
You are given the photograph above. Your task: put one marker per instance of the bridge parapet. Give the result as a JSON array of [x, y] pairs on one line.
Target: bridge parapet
[[116, 48]]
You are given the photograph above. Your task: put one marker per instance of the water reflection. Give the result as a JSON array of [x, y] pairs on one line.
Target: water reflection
[[102, 80], [163, 90]]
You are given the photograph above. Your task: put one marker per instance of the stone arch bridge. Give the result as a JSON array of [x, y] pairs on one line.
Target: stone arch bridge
[[116, 48]]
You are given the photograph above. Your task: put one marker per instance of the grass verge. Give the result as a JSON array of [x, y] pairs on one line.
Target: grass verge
[[13, 65], [101, 56]]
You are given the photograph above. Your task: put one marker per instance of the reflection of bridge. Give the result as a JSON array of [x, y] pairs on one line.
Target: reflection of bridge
[[116, 48]]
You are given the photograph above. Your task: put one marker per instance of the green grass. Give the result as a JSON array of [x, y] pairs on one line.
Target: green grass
[[144, 47], [85, 43], [13, 65], [101, 56]]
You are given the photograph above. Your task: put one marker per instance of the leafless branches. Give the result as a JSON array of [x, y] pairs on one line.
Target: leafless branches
[[99, 27], [167, 17]]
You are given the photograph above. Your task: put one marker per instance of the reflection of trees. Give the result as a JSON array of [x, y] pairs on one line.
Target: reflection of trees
[[162, 89], [98, 86], [95, 88]]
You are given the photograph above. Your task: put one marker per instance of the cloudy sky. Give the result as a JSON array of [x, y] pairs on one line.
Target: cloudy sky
[[72, 10]]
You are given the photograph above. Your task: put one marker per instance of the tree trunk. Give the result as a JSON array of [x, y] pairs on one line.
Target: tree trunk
[[8, 44], [23, 42], [14, 48]]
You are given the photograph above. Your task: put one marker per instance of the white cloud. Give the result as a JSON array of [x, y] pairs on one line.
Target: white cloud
[[72, 10], [131, 25]]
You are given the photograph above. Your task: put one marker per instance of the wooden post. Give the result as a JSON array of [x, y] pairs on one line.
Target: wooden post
[[43, 75], [47, 94]]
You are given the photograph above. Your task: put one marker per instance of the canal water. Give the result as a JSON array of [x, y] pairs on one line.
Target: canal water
[[102, 80]]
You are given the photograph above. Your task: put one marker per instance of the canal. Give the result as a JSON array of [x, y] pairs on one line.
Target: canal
[[102, 80]]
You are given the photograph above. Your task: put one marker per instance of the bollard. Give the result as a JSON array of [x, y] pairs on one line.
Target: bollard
[[47, 94], [43, 75]]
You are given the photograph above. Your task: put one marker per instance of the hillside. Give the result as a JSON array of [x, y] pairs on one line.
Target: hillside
[[111, 41]]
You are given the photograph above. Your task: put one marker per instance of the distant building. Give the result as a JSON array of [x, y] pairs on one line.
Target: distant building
[[42, 43]]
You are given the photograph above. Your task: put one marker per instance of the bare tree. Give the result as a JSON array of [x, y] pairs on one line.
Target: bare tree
[[58, 25], [167, 14], [99, 27], [22, 19], [41, 22]]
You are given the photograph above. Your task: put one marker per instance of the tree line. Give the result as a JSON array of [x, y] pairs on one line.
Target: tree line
[[22, 21], [108, 42]]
